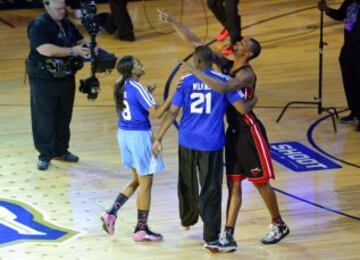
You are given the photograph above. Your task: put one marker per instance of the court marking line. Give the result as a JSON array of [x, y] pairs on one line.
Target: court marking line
[[310, 138]]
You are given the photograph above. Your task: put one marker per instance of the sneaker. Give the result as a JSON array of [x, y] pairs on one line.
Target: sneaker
[[221, 36], [228, 51], [350, 119], [128, 37], [276, 233], [225, 243], [185, 228], [145, 234], [68, 157], [43, 165], [108, 221]]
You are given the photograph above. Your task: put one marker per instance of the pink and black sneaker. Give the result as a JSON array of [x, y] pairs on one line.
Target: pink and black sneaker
[[108, 221], [145, 234]]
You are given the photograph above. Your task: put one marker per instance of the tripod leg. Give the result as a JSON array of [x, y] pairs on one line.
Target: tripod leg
[[281, 114], [334, 121], [283, 111], [333, 115], [292, 103], [334, 112], [6, 23]]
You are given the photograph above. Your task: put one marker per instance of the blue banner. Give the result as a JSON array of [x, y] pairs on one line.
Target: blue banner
[[299, 158]]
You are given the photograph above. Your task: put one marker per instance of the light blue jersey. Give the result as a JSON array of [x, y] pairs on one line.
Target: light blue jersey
[[137, 101], [202, 124]]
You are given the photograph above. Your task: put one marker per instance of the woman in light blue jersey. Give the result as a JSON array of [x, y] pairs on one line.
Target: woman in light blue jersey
[[134, 103]]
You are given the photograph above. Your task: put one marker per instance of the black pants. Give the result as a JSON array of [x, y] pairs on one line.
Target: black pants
[[121, 17], [51, 111], [74, 4], [350, 68], [207, 203], [226, 12]]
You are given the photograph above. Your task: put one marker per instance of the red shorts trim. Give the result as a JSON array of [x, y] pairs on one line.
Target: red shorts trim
[[262, 148], [235, 177], [240, 177]]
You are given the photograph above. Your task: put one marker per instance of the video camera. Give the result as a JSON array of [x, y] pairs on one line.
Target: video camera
[[89, 18], [101, 61]]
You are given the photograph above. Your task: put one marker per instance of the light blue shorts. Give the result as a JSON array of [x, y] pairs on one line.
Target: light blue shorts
[[135, 150]]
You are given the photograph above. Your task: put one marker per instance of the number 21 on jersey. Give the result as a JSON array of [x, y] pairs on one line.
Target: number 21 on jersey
[[200, 103]]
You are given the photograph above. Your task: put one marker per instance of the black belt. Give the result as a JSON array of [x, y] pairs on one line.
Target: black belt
[[37, 69], [50, 69]]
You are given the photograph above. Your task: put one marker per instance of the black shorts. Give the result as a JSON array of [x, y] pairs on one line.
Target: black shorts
[[247, 152]]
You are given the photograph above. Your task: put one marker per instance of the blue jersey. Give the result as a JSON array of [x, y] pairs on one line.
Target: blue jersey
[[202, 124], [137, 101]]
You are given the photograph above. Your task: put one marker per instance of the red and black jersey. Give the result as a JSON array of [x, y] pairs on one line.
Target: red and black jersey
[[234, 118], [247, 152]]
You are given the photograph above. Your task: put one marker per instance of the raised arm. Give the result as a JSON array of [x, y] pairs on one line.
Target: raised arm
[[244, 78], [183, 31]]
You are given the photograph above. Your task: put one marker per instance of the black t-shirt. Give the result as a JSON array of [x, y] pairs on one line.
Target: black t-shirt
[[44, 30]]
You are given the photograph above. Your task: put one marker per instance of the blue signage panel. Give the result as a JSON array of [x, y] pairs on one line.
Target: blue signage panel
[[299, 158], [21, 223]]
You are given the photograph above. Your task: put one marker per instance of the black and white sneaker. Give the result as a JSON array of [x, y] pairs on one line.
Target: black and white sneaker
[[276, 233], [351, 119], [225, 243], [43, 165]]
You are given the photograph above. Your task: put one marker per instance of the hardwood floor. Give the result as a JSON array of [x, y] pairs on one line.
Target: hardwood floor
[[322, 208]]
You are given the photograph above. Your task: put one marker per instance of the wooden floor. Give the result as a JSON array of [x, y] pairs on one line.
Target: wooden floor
[[322, 208]]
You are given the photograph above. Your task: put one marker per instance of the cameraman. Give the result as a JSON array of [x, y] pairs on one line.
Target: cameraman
[[56, 53], [349, 11]]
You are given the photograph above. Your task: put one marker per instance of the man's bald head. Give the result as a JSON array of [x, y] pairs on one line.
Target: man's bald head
[[55, 8]]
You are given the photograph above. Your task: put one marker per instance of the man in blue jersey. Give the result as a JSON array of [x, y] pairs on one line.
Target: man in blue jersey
[[201, 142]]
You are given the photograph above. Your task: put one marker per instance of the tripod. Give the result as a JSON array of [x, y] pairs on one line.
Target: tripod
[[318, 100], [6, 23]]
